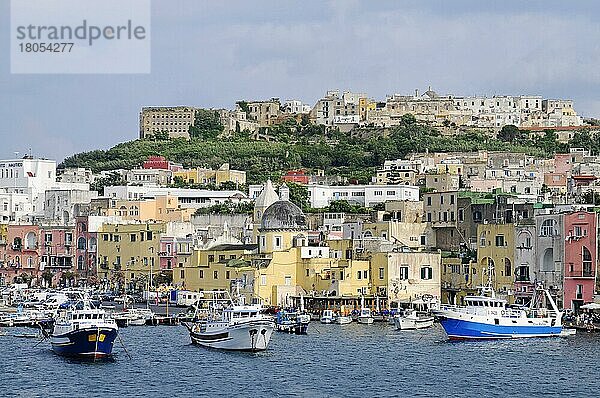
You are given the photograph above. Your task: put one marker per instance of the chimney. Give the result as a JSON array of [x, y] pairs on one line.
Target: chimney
[[416, 92]]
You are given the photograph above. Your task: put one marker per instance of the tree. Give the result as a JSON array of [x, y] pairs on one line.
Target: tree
[[298, 195], [112, 179], [509, 133], [207, 124]]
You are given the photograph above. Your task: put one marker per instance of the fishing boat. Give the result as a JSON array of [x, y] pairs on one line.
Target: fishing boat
[[327, 316], [290, 321], [488, 317], [83, 331], [232, 326], [412, 319]]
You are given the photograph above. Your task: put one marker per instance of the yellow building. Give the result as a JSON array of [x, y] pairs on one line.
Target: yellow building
[[365, 106], [449, 168], [3, 233], [458, 280], [209, 176], [407, 276], [161, 208], [496, 247], [127, 253], [213, 268]]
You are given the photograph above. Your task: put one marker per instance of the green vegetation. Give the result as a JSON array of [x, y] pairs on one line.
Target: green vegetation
[[300, 144], [227, 208]]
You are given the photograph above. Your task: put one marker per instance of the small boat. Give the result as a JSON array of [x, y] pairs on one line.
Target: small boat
[[327, 316], [84, 331], [235, 327], [365, 315], [292, 322], [343, 319], [134, 317], [413, 319]]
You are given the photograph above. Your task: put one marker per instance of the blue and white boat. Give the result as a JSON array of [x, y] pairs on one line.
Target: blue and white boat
[[488, 317], [84, 331]]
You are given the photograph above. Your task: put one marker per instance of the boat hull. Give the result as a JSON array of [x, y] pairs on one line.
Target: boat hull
[[251, 336], [402, 323], [458, 329], [90, 343], [343, 320], [367, 320]]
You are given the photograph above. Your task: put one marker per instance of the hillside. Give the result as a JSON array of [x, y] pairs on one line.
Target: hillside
[[351, 155]]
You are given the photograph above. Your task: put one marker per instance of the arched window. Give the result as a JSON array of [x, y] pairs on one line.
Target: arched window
[[547, 228], [587, 262], [548, 260], [507, 267], [30, 240], [81, 243]]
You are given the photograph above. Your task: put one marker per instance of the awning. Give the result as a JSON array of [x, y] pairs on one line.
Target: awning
[[591, 306]]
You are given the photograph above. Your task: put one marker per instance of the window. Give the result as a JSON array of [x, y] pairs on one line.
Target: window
[[288, 280], [428, 217], [132, 237], [500, 241], [365, 274], [359, 275], [381, 273], [201, 274], [149, 235], [404, 272], [451, 199], [429, 201], [307, 272], [227, 274], [547, 228], [378, 193], [277, 244], [507, 267], [587, 262], [211, 258], [341, 275], [579, 292], [221, 257], [215, 274], [81, 243], [182, 274], [48, 238], [263, 280], [577, 231], [441, 199], [426, 272], [461, 215]]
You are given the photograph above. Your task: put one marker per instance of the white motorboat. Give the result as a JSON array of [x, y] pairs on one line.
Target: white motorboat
[[365, 315], [327, 316], [412, 319], [236, 327], [343, 319]]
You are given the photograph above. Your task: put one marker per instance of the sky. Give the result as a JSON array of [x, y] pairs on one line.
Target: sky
[[213, 53]]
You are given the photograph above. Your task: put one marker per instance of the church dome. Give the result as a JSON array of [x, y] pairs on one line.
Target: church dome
[[283, 215]]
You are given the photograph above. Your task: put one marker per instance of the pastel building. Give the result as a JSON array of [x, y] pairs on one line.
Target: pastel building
[[580, 258]]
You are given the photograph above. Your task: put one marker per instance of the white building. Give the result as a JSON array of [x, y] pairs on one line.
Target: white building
[[188, 198], [62, 205], [365, 195]]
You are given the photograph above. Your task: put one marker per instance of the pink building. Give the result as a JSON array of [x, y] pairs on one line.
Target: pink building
[[168, 253], [580, 259], [57, 251], [19, 256], [563, 163], [86, 247]]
